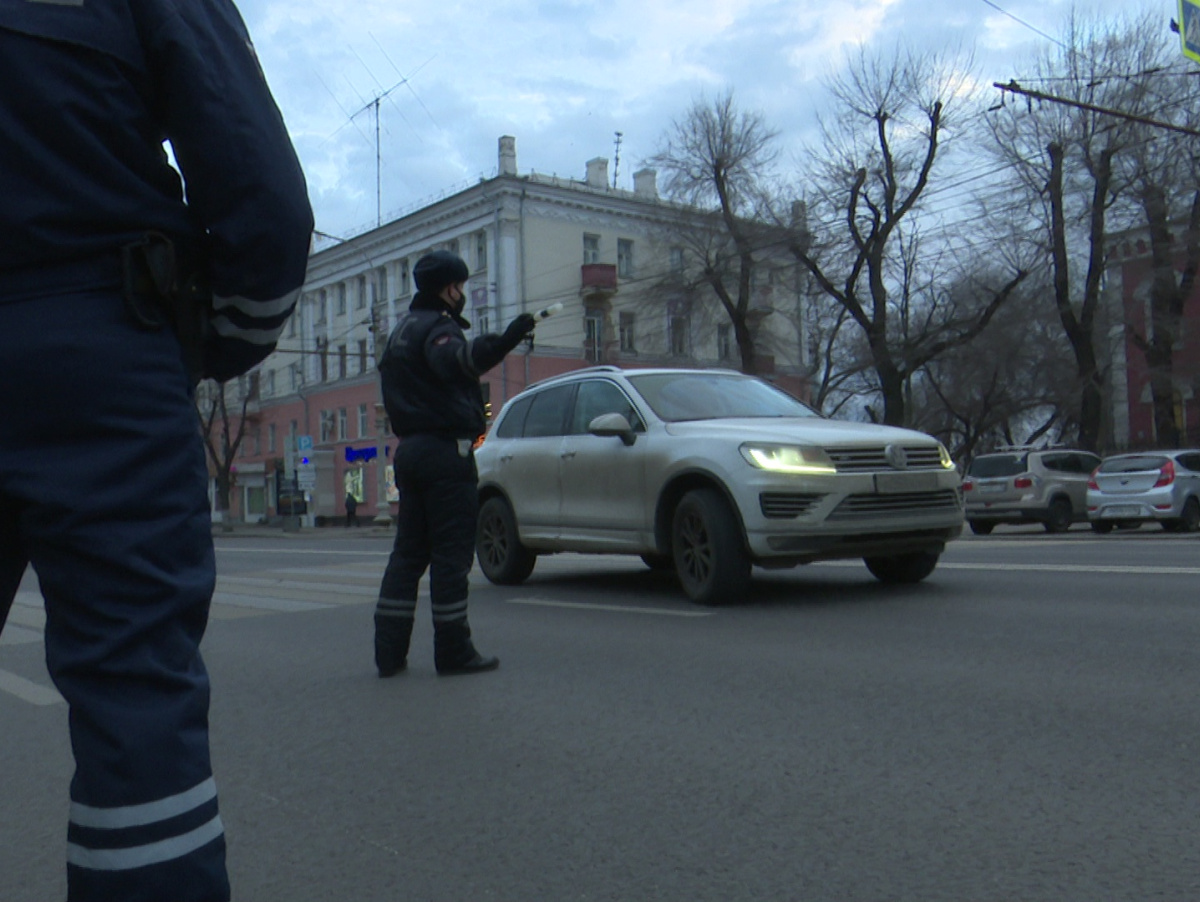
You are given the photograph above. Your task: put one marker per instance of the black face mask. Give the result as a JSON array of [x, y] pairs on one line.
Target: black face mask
[[460, 304]]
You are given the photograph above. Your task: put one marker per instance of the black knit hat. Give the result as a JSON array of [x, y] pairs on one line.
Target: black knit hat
[[435, 271]]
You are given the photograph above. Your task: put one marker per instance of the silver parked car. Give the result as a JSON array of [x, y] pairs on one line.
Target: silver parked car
[[1131, 489], [706, 472], [1028, 485]]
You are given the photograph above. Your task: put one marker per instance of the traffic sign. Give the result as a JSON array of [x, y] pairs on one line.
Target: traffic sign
[[1189, 28], [304, 443]]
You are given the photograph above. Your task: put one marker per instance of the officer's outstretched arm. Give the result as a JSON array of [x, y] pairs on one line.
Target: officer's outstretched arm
[[244, 182]]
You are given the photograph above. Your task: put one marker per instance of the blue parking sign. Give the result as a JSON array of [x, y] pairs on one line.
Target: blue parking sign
[[1189, 28], [304, 443]]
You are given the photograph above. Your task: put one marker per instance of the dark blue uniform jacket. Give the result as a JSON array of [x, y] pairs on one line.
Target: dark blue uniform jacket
[[89, 91], [430, 372]]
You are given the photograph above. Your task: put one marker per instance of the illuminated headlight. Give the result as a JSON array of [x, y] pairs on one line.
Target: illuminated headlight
[[944, 456], [788, 458]]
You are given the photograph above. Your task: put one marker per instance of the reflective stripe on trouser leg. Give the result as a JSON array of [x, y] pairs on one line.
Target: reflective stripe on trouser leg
[[104, 461]]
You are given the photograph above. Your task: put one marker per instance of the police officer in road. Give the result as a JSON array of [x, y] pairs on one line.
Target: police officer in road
[[430, 373], [116, 295]]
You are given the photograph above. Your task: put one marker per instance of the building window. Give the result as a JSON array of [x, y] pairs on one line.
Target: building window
[[343, 424], [382, 283], [293, 319], [326, 425], [676, 260], [626, 329], [269, 388], [404, 289], [342, 362], [725, 341], [593, 334], [294, 372], [270, 438], [364, 424], [322, 305], [678, 335], [362, 356], [591, 248], [452, 246], [624, 258], [481, 250], [360, 292], [323, 358], [483, 321], [341, 299]]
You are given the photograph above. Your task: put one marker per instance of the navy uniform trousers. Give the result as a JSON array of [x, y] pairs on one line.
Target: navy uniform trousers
[[102, 490], [435, 529]]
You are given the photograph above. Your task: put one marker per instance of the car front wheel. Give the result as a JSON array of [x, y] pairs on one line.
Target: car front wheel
[[902, 568], [710, 559], [1189, 519], [502, 557], [981, 527], [1102, 527]]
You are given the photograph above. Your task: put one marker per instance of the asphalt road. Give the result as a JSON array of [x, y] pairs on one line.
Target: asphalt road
[[1021, 726]]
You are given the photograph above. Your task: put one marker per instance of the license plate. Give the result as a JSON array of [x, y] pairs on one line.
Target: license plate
[[991, 489], [896, 483], [1123, 510]]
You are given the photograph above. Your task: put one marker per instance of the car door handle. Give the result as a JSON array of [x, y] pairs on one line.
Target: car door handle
[[567, 454], [505, 458]]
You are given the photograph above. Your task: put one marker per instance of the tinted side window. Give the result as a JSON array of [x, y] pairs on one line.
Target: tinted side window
[[1191, 461], [548, 412], [513, 423], [1087, 462], [1059, 463], [599, 396], [997, 465]]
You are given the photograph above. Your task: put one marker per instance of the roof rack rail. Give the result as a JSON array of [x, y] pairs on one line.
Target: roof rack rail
[[599, 368]]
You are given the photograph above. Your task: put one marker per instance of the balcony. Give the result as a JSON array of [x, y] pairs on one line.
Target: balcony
[[598, 277]]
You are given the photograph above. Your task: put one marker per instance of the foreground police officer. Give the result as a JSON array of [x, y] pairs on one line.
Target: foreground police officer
[[430, 373], [102, 478]]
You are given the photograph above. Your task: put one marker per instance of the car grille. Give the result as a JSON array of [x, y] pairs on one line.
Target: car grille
[[859, 507], [866, 460], [787, 505]]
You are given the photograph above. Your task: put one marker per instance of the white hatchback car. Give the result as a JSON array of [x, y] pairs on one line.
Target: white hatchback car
[[1131, 489], [706, 472]]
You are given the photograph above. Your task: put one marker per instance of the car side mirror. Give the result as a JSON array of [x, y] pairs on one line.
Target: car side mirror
[[613, 424]]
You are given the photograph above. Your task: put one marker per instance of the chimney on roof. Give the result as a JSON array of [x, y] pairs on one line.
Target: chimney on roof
[[645, 184], [508, 155], [597, 173]]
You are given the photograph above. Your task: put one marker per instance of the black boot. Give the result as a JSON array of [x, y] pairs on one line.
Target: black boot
[[454, 652], [392, 635]]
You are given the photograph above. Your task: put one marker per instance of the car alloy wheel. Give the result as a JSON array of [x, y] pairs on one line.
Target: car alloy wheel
[[1060, 516], [502, 557], [710, 557]]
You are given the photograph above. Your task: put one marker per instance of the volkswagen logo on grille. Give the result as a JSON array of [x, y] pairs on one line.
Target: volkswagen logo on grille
[[896, 457]]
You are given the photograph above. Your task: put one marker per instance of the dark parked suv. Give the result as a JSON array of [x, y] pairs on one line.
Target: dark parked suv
[[1047, 485]]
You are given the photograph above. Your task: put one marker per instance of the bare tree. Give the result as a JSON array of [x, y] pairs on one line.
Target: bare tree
[[1162, 168], [1064, 162], [222, 432], [716, 160], [863, 245]]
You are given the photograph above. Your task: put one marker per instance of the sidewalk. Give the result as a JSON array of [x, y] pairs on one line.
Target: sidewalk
[[365, 530]]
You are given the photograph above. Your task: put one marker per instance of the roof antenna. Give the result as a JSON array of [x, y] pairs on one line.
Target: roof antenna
[[616, 159]]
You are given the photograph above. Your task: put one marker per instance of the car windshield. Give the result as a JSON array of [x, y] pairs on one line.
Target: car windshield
[[675, 397], [1133, 464], [997, 465]]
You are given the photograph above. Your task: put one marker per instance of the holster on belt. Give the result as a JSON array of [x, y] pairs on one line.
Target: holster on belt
[[166, 287]]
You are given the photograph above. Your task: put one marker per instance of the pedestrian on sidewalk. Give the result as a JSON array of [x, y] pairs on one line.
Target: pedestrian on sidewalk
[[351, 510], [116, 295], [430, 373]]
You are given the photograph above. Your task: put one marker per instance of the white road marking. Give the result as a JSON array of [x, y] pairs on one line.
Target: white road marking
[[1042, 568], [29, 691], [617, 608]]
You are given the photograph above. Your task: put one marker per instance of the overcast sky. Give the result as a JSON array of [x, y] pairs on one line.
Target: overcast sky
[[562, 76]]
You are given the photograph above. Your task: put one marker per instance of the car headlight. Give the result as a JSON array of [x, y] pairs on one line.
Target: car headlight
[[788, 458], [944, 456]]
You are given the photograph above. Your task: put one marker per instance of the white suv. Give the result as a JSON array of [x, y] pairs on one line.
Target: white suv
[[706, 472], [1046, 485]]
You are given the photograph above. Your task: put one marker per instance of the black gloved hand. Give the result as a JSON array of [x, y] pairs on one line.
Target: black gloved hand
[[517, 329]]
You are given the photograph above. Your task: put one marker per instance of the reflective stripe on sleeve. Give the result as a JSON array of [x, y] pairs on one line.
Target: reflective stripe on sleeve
[[150, 853], [148, 813]]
